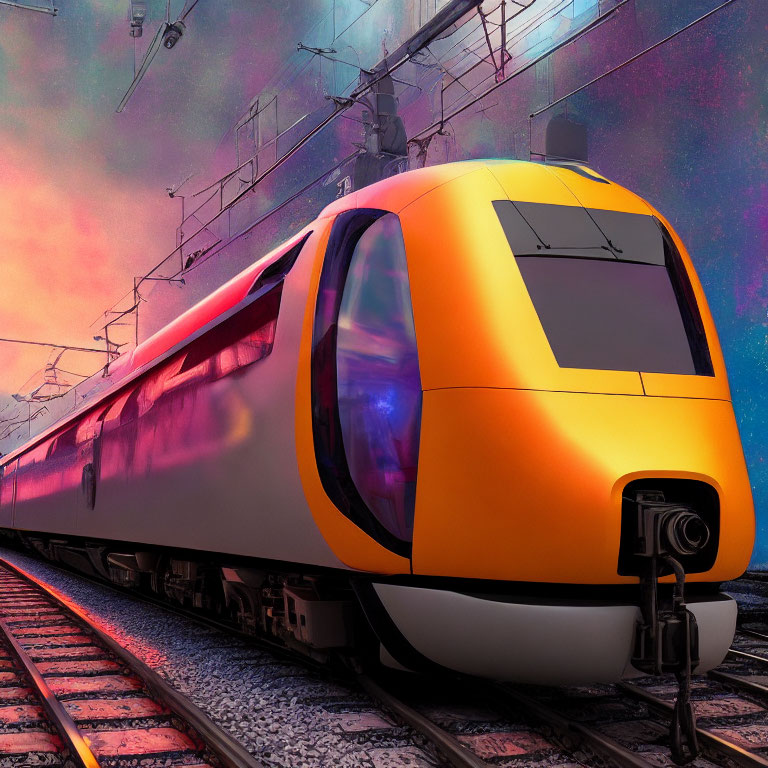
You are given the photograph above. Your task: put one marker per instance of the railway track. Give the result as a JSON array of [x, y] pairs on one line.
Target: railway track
[[610, 725], [196, 616], [625, 725], [485, 735], [70, 695]]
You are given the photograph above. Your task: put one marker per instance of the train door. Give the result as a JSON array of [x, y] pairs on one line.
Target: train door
[[88, 441], [56, 479], [7, 493], [36, 484]]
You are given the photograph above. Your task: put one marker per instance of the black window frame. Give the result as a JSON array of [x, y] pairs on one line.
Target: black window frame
[[689, 307]]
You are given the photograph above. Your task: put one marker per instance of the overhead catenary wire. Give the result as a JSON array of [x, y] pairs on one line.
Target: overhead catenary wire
[[188, 7], [420, 40], [637, 55], [74, 373], [52, 11], [336, 112], [283, 77], [434, 127], [186, 11], [55, 346], [274, 210], [449, 58], [154, 47], [199, 262]]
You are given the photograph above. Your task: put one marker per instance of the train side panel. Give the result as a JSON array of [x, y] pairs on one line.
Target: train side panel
[[201, 454]]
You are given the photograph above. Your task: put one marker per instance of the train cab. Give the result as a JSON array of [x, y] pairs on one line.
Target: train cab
[[504, 362]]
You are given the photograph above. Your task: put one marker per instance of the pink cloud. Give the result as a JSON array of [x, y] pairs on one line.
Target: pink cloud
[[72, 241]]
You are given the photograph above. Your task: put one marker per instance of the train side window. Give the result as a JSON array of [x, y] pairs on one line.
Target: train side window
[[167, 379], [154, 383], [187, 374], [242, 339], [123, 409], [689, 310], [64, 443], [39, 453], [279, 268], [88, 425], [366, 385], [130, 410]]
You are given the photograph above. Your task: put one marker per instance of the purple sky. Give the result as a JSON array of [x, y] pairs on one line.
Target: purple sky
[[83, 206]]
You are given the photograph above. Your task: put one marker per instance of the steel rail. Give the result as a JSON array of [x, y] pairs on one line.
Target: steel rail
[[211, 622], [79, 750], [589, 737], [738, 681], [460, 756], [226, 749], [747, 656], [752, 633], [449, 746], [710, 742]]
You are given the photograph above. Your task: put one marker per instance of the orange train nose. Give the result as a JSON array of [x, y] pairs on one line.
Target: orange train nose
[[527, 485]]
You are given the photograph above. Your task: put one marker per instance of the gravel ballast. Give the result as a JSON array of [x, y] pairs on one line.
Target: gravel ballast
[[281, 712]]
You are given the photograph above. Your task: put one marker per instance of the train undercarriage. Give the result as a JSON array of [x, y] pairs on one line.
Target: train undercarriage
[[313, 613]]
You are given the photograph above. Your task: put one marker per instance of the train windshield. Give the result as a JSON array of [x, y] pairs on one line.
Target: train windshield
[[609, 288]]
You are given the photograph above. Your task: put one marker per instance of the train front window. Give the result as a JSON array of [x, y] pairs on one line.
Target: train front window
[[609, 288], [570, 230], [608, 315]]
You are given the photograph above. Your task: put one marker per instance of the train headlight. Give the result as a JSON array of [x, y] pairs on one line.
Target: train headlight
[[684, 532], [671, 517]]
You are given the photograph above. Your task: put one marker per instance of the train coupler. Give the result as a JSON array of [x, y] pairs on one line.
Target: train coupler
[[666, 637]]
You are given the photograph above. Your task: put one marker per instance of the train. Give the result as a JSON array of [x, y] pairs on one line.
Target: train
[[472, 418]]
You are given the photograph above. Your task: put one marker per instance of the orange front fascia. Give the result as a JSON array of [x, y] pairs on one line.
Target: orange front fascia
[[475, 323], [526, 486], [521, 460], [350, 544]]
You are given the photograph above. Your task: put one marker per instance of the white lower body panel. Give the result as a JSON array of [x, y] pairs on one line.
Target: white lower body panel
[[543, 644]]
